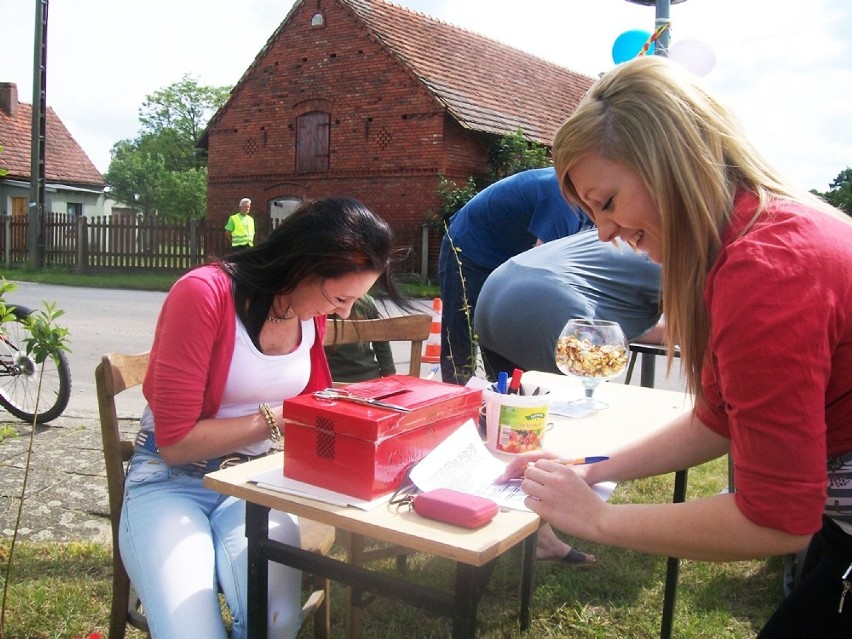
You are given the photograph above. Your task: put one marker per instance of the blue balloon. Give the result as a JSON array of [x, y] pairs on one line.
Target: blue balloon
[[628, 45]]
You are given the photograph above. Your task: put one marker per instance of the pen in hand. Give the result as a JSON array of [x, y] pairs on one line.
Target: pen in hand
[[578, 461]]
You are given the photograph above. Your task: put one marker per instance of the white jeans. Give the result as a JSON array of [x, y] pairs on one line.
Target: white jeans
[[181, 542]]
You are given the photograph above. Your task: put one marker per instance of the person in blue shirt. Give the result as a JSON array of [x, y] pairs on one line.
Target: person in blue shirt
[[527, 300], [501, 221]]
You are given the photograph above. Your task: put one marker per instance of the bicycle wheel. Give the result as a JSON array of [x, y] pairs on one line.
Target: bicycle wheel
[[20, 375]]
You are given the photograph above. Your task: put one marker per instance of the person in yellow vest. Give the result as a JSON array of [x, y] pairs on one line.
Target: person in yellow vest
[[240, 227]]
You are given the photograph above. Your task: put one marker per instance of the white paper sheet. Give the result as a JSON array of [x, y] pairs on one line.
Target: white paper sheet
[[463, 463], [273, 479]]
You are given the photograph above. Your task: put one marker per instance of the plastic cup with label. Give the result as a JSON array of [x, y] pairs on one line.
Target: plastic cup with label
[[515, 423]]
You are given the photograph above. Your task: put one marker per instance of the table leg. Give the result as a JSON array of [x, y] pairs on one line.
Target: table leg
[[257, 530], [648, 370], [672, 566], [526, 579], [356, 558], [470, 584]]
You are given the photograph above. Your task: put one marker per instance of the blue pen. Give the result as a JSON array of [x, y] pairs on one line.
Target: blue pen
[[502, 382], [582, 460]]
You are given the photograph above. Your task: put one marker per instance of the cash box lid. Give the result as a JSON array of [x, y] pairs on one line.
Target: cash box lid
[[428, 400]]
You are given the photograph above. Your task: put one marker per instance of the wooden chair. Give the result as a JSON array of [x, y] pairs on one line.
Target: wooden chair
[[404, 328], [410, 328], [116, 373]]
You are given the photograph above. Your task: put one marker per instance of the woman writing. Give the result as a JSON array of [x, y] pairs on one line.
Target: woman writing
[[233, 340], [757, 291]]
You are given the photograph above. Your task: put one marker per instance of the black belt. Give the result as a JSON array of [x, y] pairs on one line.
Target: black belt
[[145, 439]]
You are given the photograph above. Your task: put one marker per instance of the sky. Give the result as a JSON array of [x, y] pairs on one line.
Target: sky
[[784, 66]]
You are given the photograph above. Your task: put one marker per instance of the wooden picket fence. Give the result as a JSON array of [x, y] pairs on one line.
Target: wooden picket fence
[[112, 243], [118, 243]]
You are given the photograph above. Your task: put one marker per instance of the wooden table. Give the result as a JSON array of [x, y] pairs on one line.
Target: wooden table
[[475, 552], [633, 413]]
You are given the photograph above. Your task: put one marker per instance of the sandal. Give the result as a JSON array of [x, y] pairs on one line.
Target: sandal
[[578, 559]]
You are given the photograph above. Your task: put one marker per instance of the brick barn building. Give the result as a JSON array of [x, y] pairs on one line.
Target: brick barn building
[[367, 99]]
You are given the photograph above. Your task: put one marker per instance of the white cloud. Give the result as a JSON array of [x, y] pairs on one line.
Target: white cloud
[[785, 67]]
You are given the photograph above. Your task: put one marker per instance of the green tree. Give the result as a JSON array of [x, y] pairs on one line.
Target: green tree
[[136, 178], [840, 191], [173, 118], [161, 171], [184, 194]]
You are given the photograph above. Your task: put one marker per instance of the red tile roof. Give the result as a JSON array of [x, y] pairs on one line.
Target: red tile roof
[[485, 85], [65, 160]]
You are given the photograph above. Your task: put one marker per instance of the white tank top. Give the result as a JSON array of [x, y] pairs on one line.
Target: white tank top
[[255, 378]]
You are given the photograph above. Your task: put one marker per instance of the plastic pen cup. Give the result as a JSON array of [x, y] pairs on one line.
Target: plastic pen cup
[[515, 423]]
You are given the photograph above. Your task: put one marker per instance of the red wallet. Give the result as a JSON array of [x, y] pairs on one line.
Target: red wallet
[[453, 507]]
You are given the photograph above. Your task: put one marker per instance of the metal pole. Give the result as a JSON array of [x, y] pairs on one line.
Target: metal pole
[[35, 234], [661, 18]]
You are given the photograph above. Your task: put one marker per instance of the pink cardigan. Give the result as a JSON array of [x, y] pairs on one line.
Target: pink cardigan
[[192, 351]]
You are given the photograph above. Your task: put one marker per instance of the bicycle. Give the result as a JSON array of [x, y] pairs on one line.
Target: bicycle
[[19, 373]]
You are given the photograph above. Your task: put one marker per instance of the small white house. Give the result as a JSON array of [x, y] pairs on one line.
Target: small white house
[[72, 182]]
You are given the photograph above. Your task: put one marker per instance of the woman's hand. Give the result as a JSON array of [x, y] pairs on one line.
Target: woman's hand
[[560, 496], [515, 469]]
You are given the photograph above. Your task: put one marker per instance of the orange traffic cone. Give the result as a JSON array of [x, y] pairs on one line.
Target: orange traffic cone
[[432, 348]]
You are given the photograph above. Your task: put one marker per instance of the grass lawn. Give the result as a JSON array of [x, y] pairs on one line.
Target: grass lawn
[[62, 590]]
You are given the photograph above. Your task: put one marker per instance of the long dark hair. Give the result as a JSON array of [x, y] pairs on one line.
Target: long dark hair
[[328, 238]]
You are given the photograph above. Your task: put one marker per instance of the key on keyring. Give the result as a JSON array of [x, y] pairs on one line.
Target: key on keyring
[[847, 586]]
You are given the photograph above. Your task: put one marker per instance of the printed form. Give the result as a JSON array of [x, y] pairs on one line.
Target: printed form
[[463, 463]]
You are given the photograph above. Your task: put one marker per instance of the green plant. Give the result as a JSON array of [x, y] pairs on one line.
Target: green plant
[[513, 153], [469, 367], [45, 338], [7, 431], [452, 197]]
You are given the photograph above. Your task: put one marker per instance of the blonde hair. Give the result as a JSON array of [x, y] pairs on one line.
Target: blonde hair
[[652, 117]]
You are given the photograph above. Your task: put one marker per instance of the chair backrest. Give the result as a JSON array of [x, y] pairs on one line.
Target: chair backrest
[[115, 374], [404, 328]]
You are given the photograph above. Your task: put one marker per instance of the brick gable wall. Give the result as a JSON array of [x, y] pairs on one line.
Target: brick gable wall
[[389, 138]]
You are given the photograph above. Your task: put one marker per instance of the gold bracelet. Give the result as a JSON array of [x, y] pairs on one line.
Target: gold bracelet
[[274, 431]]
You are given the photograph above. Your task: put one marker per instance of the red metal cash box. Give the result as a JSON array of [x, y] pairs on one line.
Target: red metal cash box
[[364, 451]]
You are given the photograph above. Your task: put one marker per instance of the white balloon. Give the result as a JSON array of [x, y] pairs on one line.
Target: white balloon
[[696, 55]]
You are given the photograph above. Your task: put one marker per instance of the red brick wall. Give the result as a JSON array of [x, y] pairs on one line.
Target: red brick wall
[[389, 139]]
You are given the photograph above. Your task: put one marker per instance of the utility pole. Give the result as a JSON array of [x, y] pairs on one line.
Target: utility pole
[[35, 236]]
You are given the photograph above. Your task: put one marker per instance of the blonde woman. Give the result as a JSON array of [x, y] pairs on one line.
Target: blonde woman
[[757, 291]]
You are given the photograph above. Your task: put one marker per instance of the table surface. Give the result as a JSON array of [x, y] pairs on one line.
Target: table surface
[[633, 413]]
